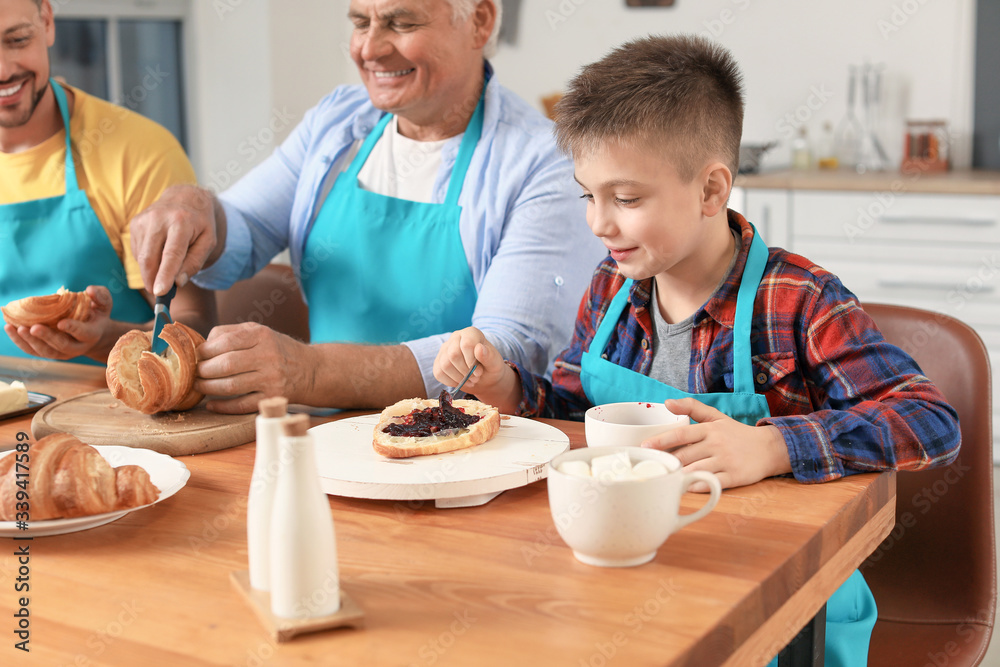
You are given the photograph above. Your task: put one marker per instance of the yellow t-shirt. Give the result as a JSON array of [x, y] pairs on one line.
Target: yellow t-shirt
[[123, 160]]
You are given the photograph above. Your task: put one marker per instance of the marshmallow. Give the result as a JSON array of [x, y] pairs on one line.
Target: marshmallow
[[611, 467], [648, 468], [577, 468]]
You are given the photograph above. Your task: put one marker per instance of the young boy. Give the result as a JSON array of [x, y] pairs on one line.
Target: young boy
[[771, 357]]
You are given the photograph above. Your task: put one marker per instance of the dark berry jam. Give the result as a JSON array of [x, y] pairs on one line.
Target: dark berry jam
[[430, 421]]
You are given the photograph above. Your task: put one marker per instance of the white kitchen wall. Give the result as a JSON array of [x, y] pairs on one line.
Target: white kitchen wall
[[230, 70], [794, 55], [264, 58]]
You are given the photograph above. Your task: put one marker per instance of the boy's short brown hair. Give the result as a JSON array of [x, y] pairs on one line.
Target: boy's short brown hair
[[682, 94]]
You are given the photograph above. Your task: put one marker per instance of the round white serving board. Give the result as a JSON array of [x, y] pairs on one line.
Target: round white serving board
[[518, 455]]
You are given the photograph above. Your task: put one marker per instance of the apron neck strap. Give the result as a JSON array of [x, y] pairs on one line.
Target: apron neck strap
[[468, 146], [753, 271], [72, 185], [366, 147], [610, 318]]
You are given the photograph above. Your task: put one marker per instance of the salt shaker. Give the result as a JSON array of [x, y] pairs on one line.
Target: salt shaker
[[305, 581], [262, 483]]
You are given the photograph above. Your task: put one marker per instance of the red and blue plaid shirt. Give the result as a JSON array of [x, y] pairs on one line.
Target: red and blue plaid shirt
[[845, 400]]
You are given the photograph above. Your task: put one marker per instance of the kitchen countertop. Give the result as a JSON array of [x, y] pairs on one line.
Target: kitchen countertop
[[959, 181]]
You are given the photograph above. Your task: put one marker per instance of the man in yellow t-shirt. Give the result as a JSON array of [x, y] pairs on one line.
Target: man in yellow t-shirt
[[64, 214]]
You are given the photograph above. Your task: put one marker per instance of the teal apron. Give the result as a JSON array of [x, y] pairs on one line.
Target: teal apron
[[59, 242], [378, 269], [851, 609]]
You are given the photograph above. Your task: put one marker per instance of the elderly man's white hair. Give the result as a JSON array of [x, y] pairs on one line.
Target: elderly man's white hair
[[462, 9]]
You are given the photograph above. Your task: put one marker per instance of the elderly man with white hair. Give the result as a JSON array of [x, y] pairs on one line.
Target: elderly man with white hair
[[426, 200]]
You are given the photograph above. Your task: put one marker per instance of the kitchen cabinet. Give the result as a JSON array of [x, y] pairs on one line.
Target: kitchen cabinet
[[929, 241]]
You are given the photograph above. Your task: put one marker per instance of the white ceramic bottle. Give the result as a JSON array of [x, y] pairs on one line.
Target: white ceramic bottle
[[262, 483], [305, 582]]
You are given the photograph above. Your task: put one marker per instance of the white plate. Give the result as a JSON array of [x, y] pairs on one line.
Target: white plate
[[167, 474], [348, 466]]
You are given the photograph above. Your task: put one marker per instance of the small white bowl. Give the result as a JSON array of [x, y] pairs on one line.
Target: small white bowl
[[628, 424]]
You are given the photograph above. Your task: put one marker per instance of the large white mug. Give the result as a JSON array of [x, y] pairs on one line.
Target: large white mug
[[621, 523], [628, 424]]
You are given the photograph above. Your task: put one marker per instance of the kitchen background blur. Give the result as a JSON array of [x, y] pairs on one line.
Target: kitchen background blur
[[232, 77]]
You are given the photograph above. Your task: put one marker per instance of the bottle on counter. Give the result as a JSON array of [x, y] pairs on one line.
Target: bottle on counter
[[305, 582], [826, 151], [262, 484], [801, 153]]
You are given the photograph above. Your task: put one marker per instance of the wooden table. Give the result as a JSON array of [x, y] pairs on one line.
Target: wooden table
[[489, 585]]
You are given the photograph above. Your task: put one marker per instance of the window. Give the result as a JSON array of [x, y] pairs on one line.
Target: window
[[128, 53]]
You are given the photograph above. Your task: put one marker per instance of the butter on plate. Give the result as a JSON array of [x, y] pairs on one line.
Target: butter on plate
[[13, 396]]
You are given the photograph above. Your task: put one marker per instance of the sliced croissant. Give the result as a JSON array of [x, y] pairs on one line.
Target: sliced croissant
[[48, 309], [151, 383], [67, 478]]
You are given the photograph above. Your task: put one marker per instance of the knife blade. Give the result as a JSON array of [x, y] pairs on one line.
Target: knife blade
[[161, 316]]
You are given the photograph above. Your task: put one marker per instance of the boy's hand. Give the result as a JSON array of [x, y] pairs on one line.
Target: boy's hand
[[738, 454], [493, 382]]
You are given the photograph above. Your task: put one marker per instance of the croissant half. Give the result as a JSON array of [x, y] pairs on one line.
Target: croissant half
[[48, 309], [67, 478], [151, 383]]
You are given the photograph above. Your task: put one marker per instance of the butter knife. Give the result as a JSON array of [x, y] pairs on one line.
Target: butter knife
[[161, 316], [461, 384]]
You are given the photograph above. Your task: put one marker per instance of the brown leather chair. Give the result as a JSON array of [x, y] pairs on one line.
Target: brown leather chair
[[934, 577], [271, 297]]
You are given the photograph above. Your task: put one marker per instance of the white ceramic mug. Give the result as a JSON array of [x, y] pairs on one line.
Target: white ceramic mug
[[622, 523], [628, 424]]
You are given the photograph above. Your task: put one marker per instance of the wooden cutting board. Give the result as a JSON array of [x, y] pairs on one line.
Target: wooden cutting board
[[98, 418]]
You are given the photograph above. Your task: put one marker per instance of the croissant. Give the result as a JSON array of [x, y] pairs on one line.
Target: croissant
[[67, 478], [151, 383], [48, 309]]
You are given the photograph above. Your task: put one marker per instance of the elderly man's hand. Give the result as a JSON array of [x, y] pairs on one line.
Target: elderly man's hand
[[247, 362], [176, 236]]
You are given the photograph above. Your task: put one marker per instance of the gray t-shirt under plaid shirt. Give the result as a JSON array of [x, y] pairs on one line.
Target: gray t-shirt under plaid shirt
[[672, 342]]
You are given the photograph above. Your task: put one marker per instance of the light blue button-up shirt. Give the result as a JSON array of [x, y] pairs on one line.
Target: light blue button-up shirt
[[523, 224]]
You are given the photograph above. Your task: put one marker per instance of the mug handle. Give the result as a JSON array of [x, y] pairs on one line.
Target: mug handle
[[716, 492]]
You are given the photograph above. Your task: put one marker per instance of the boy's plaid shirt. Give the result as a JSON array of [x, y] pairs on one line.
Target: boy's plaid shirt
[[845, 400]]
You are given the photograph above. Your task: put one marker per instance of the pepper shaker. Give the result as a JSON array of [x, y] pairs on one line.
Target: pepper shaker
[[305, 581]]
